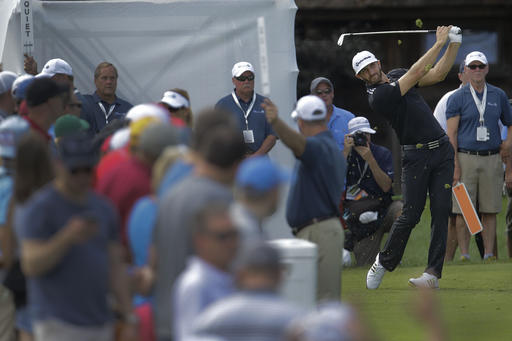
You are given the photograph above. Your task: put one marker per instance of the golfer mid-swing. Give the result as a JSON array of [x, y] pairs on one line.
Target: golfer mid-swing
[[427, 155]]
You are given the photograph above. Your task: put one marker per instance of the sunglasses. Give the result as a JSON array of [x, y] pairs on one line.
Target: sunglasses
[[325, 91], [223, 236], [480, 66], [244, 78], [81, 170]]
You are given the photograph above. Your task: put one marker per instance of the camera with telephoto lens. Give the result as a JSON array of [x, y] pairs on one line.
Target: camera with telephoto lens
[[360, 139]]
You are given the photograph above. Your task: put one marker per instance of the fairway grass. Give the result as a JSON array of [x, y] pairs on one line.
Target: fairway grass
[[475, 302]]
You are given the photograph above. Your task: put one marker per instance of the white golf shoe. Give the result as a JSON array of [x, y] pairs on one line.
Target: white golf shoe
[[375, 274], [426, 280]]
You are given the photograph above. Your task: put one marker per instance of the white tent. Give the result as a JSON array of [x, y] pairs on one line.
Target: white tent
[[161, 44]]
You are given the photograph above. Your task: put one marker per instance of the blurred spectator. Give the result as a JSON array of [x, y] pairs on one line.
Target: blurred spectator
[[58, 70], [217, 148], [337, 118], [207, 277], [12, 129], [148, 138], [69, 125], [103, 106], [369, 208], [74, 106], [19, 90], [257, 193], [7, 102], [177, 102], [313, 201], [245, 104], [82, 242], [257, 312]]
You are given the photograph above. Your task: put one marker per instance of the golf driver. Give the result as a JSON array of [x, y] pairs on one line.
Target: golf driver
[[342, 37]]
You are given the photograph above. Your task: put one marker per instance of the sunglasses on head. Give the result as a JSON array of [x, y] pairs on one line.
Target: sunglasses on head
[[244, 78], [81, 170], [325, 91], [480, 66]]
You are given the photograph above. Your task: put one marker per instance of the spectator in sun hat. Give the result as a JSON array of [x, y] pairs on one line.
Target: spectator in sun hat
[[177, 102], [7, 102], [245, 104], [257, 192], [312, 209]]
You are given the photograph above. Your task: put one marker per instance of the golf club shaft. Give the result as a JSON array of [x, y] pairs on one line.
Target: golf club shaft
[[342, 37]]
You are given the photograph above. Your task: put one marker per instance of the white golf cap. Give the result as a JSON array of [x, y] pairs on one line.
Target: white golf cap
[[7, 78], [148, 110], [310, 108], [476, 56], [359, 124], [361, 60], [175, 100], [240, 68], [11, 130], [55, 66], [120, 138]]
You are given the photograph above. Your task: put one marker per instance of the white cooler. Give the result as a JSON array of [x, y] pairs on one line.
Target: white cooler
[[298, 257]]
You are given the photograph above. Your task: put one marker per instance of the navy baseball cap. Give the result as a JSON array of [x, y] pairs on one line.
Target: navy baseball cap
[[41, 90], [77, 151], [260, 173]]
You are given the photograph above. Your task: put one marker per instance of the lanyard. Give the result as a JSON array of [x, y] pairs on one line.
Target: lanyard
[[112, 107], [480, 105], [246, 114], [361, 172]]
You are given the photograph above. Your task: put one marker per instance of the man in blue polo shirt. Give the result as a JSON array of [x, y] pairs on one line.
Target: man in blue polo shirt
[[103, 105], [337, 118], [473, 113], [312, 209], [245, 103]]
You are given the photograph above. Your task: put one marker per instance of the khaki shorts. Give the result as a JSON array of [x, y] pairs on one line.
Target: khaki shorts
[[483, 177]]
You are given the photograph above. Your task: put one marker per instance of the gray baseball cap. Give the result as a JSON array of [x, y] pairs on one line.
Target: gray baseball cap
[[315, 82]]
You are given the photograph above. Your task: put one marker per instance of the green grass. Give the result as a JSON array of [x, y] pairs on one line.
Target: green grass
[[475, 298]]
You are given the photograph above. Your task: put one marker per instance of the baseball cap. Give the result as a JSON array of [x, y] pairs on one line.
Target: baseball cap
[[260, 173], [240, 68], [11, 130], [77, 150], [475, 56], [315, 82], [69, 124], [42, 89], [362, 59], [6, 80], [147, 110], [310, 108], [156, 137], [175, 100], [137, 128], [461, 66], [20, 85], [359, 124], [55, 66]]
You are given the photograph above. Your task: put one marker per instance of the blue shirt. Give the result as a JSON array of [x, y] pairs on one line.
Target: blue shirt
[[75, 290], [356, 166], [338, 124], [140, 231], [257, 120], [319, 177], [497, 108], [6, 184], [199, 285], [173, 175], [92, 112]]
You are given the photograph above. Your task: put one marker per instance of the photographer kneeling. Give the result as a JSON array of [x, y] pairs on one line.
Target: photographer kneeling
[[369, 208]]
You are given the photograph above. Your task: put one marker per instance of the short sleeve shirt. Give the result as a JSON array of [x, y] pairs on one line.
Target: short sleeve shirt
[[461, 103], [257, 121], [409, 115], [356, 170], [94, 114], [319, 180], [338, 125]]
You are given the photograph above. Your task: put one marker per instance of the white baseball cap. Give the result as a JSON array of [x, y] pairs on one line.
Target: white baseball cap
[[310, 108], [55, 66], [11, 130], [476, 56], [240, 68], [7, 78], [148, 110], [359, 124], [362, 59], [175, 100]]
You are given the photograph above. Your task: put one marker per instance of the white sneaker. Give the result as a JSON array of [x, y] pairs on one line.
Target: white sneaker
[[375, 274], [426, 280]]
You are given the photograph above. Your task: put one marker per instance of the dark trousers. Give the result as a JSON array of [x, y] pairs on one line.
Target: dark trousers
[[423, 170]]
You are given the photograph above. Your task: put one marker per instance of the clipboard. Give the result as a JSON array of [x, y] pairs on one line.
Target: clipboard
[[468, 210]]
